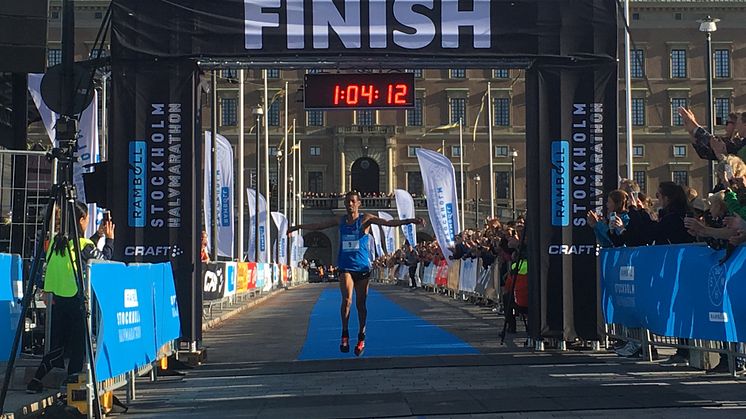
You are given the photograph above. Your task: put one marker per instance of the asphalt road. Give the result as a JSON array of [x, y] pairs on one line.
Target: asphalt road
[[253, 371]]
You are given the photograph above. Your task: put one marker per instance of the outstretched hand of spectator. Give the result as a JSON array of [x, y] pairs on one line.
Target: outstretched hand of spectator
[[735, 222], [690, 121], [693, 226], [739, 238], [593, 218]]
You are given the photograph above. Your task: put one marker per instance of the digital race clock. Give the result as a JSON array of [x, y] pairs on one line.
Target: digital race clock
[[354, 91]]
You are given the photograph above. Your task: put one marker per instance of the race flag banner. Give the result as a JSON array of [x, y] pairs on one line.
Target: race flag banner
[[439, 182], [376, 230], [405, 208], [388, 232], [295, 249], [224, 196], [251, 198], [282, 228]]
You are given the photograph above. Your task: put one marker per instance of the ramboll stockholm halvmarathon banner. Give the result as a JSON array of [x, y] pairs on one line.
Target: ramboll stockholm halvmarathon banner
[[388, 232], [439, 182], [282, 228], [405, 209], [224, 194], [263, 251]]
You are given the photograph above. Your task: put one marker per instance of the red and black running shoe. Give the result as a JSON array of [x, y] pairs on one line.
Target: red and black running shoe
[[344, 346], [360, 347]]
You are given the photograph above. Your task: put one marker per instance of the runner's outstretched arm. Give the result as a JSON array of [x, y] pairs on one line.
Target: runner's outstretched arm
[[315, 226], [391, 223]]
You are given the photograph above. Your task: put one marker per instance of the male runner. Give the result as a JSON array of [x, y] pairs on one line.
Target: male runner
[[354, 261]]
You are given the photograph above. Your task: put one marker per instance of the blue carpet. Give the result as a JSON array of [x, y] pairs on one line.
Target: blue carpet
[[391, 331]]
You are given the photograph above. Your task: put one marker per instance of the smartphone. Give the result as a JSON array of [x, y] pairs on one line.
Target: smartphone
[[107, 216], [728, 172], [612, 217], [635, 195]]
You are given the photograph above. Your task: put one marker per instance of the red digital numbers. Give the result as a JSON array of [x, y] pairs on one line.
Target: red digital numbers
[[397, 94], [368, 94]]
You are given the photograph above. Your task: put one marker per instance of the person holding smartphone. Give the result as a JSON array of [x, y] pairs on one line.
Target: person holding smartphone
[[617, 207]]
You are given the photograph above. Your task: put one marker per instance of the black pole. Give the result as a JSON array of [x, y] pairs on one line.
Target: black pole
[[476, 219], [710, 100], [512, 183], [214, 169]]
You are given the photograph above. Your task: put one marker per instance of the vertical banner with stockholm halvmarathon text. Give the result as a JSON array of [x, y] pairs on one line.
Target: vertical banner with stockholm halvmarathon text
[[575, 158], [439, 180], [152, 179]]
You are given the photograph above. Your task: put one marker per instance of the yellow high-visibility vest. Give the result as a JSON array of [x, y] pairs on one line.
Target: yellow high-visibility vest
[[60, 275]]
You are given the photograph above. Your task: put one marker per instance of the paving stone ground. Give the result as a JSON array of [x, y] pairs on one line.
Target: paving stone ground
[[252, 372]]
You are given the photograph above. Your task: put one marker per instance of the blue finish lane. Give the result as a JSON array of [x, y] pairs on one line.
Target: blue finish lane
[[391, 331]]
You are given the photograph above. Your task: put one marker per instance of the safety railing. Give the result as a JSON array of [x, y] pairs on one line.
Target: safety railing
[[25, 181]]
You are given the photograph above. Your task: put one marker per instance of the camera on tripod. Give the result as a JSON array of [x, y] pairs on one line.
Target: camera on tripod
[[66, 134]]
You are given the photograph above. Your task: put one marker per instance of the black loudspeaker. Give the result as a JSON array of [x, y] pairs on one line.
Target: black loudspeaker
[[23, 36]]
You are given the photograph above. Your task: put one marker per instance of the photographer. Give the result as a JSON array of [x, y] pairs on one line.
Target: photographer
[[68, 313]]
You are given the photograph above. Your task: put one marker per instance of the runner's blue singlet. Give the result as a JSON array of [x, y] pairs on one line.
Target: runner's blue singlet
[[353, 248]]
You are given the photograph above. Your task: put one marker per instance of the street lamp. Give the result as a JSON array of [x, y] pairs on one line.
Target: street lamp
[[476, 189], [708, 25], [513, 156], [258, 111]]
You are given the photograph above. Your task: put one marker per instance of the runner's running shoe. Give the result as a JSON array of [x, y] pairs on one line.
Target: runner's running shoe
[[344, 346], [360, 347]]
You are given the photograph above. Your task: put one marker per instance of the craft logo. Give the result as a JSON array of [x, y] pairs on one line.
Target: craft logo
[[573, 249], [130, 298], [173, 251], [716, 285]]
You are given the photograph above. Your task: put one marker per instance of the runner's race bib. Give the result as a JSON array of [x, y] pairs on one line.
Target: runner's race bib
[[350, 243]]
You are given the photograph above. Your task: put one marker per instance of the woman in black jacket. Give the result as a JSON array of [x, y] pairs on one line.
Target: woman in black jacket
[[669, 229]]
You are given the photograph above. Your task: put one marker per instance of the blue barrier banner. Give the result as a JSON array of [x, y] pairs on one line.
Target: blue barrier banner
[[167, 325], [125, 296], [677, 290], [11, 291]]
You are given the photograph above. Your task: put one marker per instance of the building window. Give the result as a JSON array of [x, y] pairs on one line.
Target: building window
[[273, 117], [501, 109], [722, 63], [678, 63], [414, 183], [412, 150], [273, 73], [55, 14], [54, 56], [638, 151], [228, 111], [722, 109], [455, 151], [98, 15], [365, 117], [638, 111], [502, 151], [502, 185], [457, 73], [679, 150], [414, 115], [677, 103], [252, 179], [457, 108], [230, 73], [500, 73], [316, 182], [98, 53], [641, 177], [416, 71], [313, 71], [638, 63], [315, 150], [680, 177], [315, 118], [272, 151]]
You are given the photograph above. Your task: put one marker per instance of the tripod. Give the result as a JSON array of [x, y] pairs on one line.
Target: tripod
[[63, 196]]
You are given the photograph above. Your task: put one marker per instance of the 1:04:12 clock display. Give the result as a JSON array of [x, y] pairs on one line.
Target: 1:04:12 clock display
[[395, 94]]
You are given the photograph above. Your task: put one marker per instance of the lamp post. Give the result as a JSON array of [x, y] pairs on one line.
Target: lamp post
[[513, 155], [279, 159], [476, 199], [708, 25], [258, 112]]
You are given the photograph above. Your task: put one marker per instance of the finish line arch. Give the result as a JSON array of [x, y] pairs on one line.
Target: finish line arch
[[568, 48]]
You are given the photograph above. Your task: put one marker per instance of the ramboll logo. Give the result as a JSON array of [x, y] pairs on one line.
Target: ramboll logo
[[130, 298], [716, 285]]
